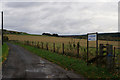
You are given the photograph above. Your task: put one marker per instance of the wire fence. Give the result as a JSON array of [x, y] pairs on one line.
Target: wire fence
[[75, 50]]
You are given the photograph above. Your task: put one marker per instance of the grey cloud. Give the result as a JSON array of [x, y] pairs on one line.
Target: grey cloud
[[62, 18], [23, 4]]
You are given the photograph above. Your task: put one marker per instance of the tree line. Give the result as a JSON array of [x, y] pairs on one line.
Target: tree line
[[48, 34]]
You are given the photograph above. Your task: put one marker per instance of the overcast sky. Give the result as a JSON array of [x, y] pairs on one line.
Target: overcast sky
[[61, 17]]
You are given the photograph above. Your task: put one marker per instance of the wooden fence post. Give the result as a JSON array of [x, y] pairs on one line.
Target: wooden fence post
[[32, 43], [28, 42], [107, 48], [70, 46], [38, 45], [87, 49], [42, 45], [114, 52], [114, 58], [63, 48], [97, 46], [47, 46], [101, 51], [74, 44], [53, 47], [84, 50], [78, 49], [109, 57]]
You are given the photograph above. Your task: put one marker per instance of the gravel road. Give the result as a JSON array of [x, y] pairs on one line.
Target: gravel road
[[24, 64]]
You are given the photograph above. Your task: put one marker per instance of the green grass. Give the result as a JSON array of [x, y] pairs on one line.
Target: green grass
[[77, 65], [4, 52], [0, 54]]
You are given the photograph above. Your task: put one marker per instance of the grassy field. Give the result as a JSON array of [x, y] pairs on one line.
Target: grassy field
[[69, 63], [50, 39], [67, 42]]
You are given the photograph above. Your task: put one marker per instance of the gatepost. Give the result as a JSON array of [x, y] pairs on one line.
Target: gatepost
[[92, 37], [109, 57]]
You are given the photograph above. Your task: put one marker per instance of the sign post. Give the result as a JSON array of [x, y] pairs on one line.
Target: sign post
[[97, 46], [92, 37], [2, 26], [87, 48]]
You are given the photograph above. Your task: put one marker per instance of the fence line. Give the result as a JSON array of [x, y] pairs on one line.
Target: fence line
[[74, 50]]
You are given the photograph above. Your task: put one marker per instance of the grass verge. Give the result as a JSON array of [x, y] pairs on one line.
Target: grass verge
[[77, 65], [5, 50]]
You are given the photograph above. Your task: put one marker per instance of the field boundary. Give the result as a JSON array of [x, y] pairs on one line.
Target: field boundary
[[75, 64]]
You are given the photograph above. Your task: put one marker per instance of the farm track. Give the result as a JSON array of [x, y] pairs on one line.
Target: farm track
[[23, 64]]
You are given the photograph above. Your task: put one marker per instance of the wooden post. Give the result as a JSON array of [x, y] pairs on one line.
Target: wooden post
[[47, 46], [53, 47], [32, 43], [107, 49], [70, 46], [2, 26], [101, 49], [63, 48], [42, 45], [118, 58], [78, 49], [27, 42], [99, 61], [74, 44], [97, 46], [38, 45], [114, 52], [114, 58], [84, 50], [109, 57], [87, 48]]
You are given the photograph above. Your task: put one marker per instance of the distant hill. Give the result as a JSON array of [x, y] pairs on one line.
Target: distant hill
[[12, 32], [101, 36]]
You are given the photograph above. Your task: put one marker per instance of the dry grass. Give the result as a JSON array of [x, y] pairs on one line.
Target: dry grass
[[83, 42], [58, 44]]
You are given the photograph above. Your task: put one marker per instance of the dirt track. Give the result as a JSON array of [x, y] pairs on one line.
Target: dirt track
[[23, 64]]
